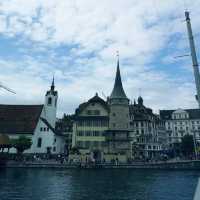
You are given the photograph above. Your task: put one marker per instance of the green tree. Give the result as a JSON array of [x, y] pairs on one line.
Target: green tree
[[21, 144], [187, 145]]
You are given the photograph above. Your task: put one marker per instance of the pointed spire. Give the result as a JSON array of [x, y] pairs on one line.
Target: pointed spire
[[52, 85], [118, 91]]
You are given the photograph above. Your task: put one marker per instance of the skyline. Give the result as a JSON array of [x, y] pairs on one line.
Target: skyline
[[40, 39]]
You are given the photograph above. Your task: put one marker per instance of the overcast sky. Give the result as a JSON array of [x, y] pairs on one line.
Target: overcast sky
[[77, 41]]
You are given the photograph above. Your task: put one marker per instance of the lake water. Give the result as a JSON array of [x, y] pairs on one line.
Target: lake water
[[116, 184]]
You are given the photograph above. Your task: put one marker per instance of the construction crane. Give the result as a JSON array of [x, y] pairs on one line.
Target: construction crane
[[194, 56], [6, 88]]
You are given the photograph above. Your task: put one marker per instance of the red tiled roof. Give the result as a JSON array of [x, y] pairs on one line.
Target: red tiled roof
[[19, 119]]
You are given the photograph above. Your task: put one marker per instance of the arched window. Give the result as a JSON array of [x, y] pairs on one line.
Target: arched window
[[49, 101], [39, 142]]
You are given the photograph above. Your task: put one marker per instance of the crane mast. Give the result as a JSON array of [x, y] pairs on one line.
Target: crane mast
[[6, 88], [194, 56]]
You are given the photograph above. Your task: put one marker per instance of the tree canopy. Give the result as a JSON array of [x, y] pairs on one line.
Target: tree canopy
[[21, 144], [187, 145]]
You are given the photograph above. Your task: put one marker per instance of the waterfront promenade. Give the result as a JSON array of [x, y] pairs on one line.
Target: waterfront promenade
[[174, 164]]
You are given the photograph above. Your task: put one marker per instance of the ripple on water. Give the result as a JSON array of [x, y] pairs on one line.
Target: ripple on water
[[51, 184]]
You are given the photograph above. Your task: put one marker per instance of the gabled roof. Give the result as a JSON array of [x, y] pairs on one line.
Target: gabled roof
[[48, 124], [167, 114], [95, 99], [19, 119], [118, 91]]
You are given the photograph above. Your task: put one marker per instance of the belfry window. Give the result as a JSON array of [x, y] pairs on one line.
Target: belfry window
[[49, 101]]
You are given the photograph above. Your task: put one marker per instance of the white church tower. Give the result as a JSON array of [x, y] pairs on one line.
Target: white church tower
[[50, 106]]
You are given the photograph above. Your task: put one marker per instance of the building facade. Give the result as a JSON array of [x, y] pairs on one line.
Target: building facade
[[179, 123], [148, 131], [90, 123]]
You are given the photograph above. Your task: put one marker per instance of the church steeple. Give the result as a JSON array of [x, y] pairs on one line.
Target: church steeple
[[118, 91]]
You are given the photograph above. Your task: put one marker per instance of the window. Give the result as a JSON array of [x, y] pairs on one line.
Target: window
[[87, 144], [96, 144], [96, 112], [49, 101], [80, 133], [39, 142], [89, 112], [88, 123], [54, 149], [80, 123], [40, 128], [87, 133], [96, 133]]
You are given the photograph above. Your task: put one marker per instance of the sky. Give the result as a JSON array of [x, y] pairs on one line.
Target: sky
[[76, 41]]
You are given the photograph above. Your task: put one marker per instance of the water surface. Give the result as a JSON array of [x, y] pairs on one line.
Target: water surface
[[116, 184]]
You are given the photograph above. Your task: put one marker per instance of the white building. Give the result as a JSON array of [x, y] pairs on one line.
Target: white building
[[179, 123], [34, 121]]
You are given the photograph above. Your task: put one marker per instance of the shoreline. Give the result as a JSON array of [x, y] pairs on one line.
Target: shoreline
[[186, 165]]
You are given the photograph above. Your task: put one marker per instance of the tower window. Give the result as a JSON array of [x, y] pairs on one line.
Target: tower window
[[49, 101], [56, 102], [39, 142]]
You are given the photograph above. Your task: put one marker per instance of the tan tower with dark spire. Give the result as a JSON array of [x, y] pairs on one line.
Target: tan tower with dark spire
[[119, 120]]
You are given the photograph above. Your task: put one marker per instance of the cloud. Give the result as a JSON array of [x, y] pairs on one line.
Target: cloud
[[77, 41]]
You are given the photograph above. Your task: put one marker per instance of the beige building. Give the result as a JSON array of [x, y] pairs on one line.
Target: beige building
[[90, 123]]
